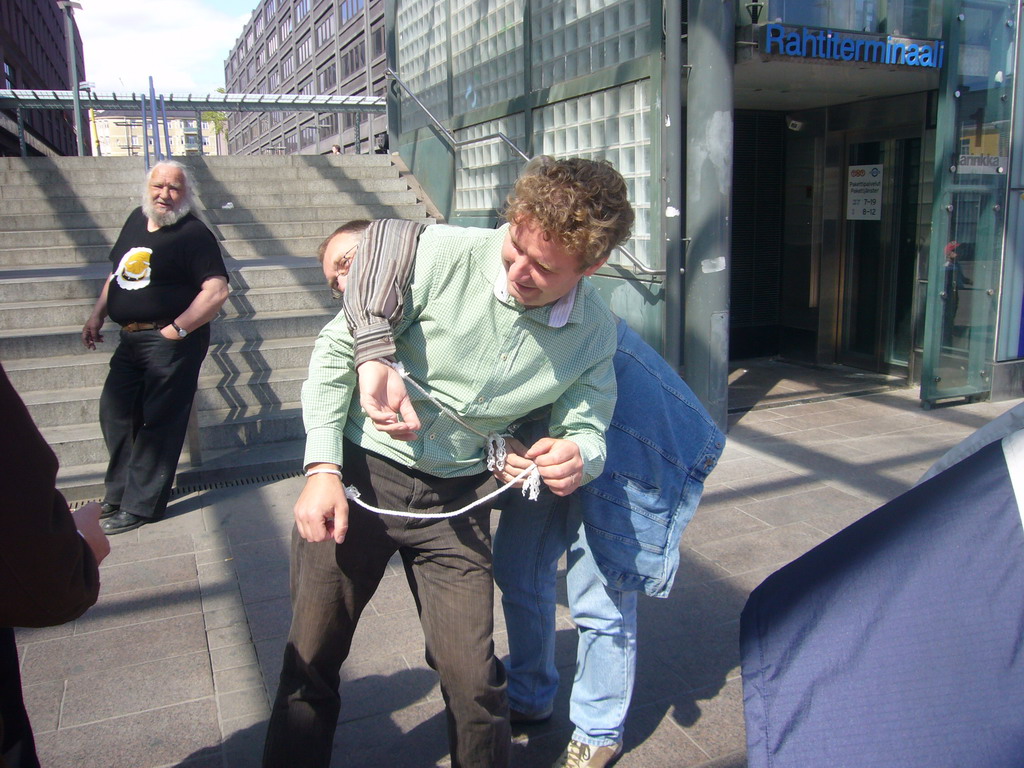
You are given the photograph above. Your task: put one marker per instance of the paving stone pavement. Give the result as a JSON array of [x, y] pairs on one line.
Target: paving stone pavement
[[175, 663]]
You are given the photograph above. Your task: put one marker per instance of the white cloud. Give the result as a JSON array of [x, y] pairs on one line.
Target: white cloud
[[181, 44]]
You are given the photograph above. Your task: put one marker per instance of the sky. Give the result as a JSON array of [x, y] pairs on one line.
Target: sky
[[181, 44]]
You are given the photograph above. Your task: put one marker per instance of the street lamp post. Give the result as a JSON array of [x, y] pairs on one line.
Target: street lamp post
[[68, 7]]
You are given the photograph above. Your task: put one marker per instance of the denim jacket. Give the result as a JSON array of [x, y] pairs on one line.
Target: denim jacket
[[662, 444]]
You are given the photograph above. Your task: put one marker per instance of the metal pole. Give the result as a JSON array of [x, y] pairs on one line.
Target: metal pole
[[21, 134], [69, 25], [673, 168], [358, 137], [167, 132], [709, 129], [145, 131], [156, 126], [199, 131]]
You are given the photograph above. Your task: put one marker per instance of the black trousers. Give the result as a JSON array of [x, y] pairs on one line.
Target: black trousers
[[448, 568], [144, 412]]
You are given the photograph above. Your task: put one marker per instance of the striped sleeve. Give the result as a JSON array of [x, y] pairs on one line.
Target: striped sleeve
[[380, 275]]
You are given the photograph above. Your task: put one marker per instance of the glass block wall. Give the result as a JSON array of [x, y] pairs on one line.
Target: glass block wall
[[575, 38], [575, 81], [609, 125], [422, 32], [486, 170], [487, 53]]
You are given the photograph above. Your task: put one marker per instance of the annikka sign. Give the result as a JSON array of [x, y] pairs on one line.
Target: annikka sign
[[819, 43]]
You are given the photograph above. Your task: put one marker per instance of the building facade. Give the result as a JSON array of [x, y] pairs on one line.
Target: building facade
[[121, 134], [308, 47], [829, 183], [34, 52]]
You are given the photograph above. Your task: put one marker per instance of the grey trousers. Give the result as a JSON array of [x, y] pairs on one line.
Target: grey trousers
[[448, 567]]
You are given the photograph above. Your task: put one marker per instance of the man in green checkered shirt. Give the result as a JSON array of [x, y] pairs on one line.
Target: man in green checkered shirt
[[495, 324]]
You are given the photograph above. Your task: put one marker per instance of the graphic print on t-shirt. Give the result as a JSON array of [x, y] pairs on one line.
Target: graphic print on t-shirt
[[134, 271]]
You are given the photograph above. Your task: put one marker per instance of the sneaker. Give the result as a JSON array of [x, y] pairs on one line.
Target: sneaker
[[580, 755]]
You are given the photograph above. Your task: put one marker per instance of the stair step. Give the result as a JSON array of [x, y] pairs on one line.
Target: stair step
[[60, 217], [221, 429], [67, 339]]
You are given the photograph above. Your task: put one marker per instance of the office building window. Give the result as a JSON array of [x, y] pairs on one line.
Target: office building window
[[379, 40], [301, 9], [287, 65], [304, 49], [268, 10], [259, 26], [286, 27], [9, 79], [350, 8], [325, 29], [249, 41], [272, 44], [291, 143], [353, 59], [306, 89], [308, 134], [261, 57], [273, 81], [327, 77], [328, 125]]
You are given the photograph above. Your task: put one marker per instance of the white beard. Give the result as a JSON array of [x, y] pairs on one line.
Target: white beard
[[164, 219]]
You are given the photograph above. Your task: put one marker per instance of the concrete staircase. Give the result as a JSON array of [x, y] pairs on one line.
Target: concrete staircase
[[58, 221]]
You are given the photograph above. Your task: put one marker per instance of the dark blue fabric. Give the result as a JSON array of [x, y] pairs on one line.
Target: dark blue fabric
[[900, 640]]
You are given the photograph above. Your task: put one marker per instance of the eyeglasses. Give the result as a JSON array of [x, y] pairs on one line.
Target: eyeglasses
[[343, 261]]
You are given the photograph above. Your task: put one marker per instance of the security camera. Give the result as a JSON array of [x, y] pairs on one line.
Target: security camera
[[794, 125]]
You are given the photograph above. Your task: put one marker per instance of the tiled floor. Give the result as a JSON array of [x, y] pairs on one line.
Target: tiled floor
[[174, 665]]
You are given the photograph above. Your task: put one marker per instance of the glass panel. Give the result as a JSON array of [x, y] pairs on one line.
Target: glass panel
[[576, 37], [908, 192], [613, 125], [913, 18], [486, 170], [487, 52], [864, 266], [422, 44], [967, 247]]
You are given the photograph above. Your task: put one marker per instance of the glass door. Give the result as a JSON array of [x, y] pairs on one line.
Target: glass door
[[972, 153], [879, 254]]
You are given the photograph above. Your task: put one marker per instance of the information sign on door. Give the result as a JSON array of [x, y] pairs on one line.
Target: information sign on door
[[864, 193]]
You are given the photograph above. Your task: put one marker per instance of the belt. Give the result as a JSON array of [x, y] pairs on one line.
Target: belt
[[132, 327]]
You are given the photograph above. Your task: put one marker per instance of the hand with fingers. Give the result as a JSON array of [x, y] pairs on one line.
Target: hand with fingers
[[384, 399], [559, 462]]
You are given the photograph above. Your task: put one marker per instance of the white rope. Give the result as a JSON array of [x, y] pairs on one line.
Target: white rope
[[496, 453], [496, 456], [531, 489]]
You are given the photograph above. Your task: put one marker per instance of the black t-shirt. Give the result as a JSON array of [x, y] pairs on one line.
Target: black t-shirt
[[158, 274]]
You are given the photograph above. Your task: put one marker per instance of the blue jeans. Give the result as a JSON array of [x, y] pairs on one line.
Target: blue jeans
[[531, 537]]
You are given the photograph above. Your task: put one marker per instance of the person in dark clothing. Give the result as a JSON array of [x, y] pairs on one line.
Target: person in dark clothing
[[49, 561], [168, 283]]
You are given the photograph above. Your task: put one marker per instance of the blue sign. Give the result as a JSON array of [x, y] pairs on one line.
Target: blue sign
[[819, 43]]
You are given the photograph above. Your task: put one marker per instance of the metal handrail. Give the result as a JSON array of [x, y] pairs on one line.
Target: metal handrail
[[390, 73]]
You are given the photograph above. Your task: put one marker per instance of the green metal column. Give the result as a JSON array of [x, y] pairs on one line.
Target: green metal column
[[709, 141]]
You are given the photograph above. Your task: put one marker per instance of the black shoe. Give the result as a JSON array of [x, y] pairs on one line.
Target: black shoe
[[108, 510], [121, 521]]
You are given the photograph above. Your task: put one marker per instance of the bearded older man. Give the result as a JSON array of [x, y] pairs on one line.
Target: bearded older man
[[168, 283]]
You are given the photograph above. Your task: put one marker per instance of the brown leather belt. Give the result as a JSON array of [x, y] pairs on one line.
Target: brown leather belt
[[132, 327]]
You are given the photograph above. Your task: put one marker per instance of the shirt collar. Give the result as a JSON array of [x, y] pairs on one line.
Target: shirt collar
[[559, 311]]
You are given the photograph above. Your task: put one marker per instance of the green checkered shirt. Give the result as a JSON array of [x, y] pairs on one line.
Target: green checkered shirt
[[490, 361]]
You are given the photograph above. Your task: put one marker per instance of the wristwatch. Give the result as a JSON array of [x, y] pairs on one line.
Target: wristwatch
[[182, 333]]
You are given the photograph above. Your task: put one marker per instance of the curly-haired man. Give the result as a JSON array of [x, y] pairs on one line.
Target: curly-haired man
[[494, 324]]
